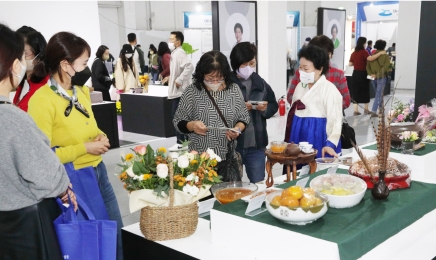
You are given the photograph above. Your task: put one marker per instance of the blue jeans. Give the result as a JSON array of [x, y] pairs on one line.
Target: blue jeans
[[378, 85], [154, 74], [254, 161], [110, 201], [174, 106]]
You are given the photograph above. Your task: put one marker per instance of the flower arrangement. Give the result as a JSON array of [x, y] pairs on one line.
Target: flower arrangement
[[145, 174], [427, 120], [409, 136], [401, 112], [143, 79], [118, 106]]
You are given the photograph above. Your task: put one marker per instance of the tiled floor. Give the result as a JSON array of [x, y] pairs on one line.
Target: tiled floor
[[276, 128]]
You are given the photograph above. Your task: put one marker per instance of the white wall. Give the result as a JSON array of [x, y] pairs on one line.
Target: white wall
[[109, 29], [308, 11], [80, 18], [272, 51], [407, 45]]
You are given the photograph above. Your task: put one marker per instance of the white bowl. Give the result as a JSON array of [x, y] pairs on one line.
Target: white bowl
[[341, 180], [324, 163], [296, 216]]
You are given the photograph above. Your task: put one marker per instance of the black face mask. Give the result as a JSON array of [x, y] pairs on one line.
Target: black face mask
[[80, 78]]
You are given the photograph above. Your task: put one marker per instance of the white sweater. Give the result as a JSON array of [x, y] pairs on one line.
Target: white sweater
[[181, 69]]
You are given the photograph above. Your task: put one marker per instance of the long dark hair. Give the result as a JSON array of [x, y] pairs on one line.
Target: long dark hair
[[163, 48], [126, 62], [360, 45], [38, 44], [61, 46], [12, 47], [153, 48], [212, 61]]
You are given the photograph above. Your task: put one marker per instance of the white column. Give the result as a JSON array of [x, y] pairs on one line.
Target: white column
[[271, 35], [407, 44]]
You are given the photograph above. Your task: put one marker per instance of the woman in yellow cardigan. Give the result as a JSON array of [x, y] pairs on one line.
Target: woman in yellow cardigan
[[62, 110]]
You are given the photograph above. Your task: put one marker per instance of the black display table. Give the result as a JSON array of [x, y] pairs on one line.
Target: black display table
[[147, 114], [106, 116]]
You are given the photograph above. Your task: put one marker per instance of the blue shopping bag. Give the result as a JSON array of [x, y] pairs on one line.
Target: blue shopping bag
[[85, 185], [85, 239]]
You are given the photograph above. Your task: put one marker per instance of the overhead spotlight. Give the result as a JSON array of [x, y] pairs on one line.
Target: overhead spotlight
[[198, 8]]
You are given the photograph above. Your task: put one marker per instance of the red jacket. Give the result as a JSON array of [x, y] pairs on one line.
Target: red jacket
[[33, 87], [166, 65]]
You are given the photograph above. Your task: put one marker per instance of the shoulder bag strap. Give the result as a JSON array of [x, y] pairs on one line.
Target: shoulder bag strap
[[216, 107]]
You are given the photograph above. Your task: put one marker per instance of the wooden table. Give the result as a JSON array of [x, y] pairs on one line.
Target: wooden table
[[301, 158]]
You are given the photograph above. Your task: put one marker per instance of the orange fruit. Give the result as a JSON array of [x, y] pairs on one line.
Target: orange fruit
[[318, 201], [289, 201], [309, 191], [307, 201], [294, 191], [276, 201]]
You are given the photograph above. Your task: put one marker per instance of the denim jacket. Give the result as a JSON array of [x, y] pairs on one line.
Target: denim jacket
[[260, 91]]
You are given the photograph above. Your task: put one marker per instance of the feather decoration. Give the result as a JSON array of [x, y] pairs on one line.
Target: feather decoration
[[364, 161]]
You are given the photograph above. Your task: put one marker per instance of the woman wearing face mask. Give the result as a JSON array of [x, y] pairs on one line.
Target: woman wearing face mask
[[196, 114], [153, 65], [126, 75], [31, 176], [62, 110], [34, 48], [252, 143], [100, 76], [316, 105]]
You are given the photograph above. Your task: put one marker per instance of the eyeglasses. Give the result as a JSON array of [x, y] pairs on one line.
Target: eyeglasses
[[211, 80]]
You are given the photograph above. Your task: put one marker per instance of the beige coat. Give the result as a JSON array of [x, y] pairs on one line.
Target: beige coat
[[126, 80]]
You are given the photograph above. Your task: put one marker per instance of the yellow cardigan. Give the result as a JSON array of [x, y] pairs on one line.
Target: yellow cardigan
[[68, 133]]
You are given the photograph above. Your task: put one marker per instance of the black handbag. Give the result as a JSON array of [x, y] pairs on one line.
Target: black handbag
[[347, 135], [231, 168]]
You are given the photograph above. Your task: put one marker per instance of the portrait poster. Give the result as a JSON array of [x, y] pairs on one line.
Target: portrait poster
[[331, 23], [233, 22]]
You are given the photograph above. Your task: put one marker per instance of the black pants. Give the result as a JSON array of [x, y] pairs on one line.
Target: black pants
[[174, 106], [28, 233]]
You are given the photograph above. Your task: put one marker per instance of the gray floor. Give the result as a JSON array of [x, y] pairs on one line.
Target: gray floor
[[276, 128]]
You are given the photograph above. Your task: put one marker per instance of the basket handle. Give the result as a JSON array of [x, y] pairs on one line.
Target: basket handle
[[171, 170]]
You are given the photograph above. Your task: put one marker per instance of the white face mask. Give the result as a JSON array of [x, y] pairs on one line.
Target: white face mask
[[213, 87], [20, 75], [171, 46], [128, 55], [29, 63], [307, 77]]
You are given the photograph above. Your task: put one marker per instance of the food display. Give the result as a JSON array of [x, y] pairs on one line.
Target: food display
[[278, 147], [227, 192], [343, 190], [296, 205], [397, 173]]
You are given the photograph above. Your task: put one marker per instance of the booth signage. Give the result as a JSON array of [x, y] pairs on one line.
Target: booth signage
[[197, 20]]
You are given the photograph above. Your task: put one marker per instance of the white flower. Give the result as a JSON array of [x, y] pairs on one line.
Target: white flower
[[130, 172], [218, 159], [173, 156], [162, 170], [211, 153], [193, 190], [190, 156], [192, 177], [183, 161], [140, 177], [189, 177]]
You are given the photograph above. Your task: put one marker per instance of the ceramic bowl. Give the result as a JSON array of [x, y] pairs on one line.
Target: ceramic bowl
[[351, 188], [296, 216], [227, 192]]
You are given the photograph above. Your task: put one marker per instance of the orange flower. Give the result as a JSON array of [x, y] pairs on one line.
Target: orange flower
[[162, 150], [181, 183], [193, 162], [210, 179], [147, 176], [213, 163], [123, 176]]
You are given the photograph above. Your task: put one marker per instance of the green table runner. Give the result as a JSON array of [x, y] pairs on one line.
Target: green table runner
[[428, 148], [359, 229]]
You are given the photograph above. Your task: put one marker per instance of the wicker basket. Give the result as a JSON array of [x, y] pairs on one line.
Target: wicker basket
[[172, 222]]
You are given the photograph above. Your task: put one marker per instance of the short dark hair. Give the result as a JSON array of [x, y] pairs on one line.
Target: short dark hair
[[210, 62], [163, 48], [238, 25], [179, 36], [317, 56], [100, 51], [25, 30], [393, 44], [369, 42], [138, 45], [242, 52], [380, 45], [360, 45], [131, 37], [61, 46], [12, 48], [323, 42], [334, 26], [37, 44]]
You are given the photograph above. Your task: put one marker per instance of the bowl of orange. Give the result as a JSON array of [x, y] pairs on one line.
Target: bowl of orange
[[278, 147], [296, 205]]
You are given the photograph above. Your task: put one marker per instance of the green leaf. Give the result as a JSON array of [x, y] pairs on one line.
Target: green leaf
[[138, 168], [121, 165]]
